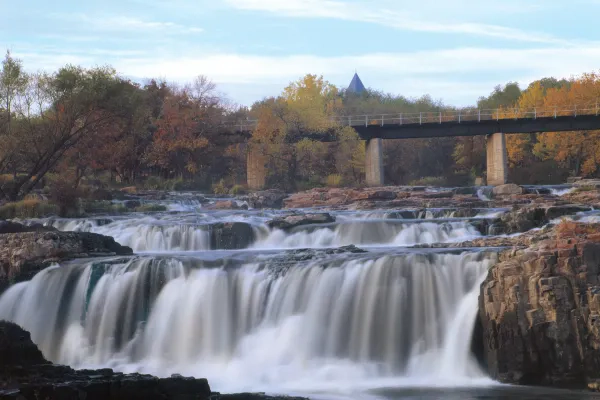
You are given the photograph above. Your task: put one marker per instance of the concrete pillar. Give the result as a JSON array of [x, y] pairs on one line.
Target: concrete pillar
[[256, 170], [497, 159], [374, 162]]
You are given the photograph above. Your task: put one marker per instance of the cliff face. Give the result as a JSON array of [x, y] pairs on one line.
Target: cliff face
[[540, 311]]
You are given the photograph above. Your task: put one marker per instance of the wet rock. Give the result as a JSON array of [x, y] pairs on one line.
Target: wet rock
[[293, 221], [15, 227], [132, 204], [272, 198], [26, 375], [231, 235], [554, 212], [434, 195], [22, 255], [472, 190], [540, 310], [526, 218], [507, 190]]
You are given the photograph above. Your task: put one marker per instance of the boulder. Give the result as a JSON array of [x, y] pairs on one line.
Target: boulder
[[539, 309], [507, 190], [231, 235], [225, 205], [22, 255], [271, 198], [132, 204], [292, 221]]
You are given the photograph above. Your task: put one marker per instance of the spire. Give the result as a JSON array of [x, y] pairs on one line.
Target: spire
[[356, 85]]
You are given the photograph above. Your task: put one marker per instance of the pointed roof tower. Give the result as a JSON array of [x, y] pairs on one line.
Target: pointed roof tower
[[356, 85]]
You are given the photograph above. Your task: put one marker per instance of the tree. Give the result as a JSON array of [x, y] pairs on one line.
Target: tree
[[56, 112]]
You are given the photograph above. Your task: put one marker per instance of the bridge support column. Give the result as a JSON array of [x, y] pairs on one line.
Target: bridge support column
[[374, 162], [256, 170], [497, 159]]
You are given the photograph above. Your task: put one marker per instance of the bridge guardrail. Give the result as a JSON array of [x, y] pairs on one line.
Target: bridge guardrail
[[458, 116]]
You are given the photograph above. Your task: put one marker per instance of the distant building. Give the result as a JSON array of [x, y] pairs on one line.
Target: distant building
[[356, 85]]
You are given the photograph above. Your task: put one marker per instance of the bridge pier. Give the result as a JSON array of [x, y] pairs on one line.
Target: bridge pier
[[256, 171], [497, 159], [374, 162]]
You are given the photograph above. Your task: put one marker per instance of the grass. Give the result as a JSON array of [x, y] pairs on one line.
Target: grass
[[28, 208], [587, 188]]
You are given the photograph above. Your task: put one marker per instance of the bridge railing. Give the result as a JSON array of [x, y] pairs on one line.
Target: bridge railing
[[457, 116]]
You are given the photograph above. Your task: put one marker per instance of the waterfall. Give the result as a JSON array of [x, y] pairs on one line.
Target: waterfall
[[259, 325], [369, 233]]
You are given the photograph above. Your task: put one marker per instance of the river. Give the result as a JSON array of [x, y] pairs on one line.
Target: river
[[289, 312]]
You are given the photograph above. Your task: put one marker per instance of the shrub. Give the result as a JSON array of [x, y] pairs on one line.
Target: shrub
[[237, 190], [29, 208], [334, 180], [102, 206], [220, 188], [65, 196], [151, 208], [587, 188]]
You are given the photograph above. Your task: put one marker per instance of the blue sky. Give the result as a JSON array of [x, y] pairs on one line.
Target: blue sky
[[453, 50]]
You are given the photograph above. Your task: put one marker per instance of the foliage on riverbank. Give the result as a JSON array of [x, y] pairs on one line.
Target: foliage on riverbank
[[93, 125]]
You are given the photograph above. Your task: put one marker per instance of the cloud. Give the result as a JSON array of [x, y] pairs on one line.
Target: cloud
[[458, 76], [402, 18], [120, 23]]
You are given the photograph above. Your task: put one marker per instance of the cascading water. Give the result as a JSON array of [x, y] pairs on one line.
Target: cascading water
[[369, 233], [261, 324]]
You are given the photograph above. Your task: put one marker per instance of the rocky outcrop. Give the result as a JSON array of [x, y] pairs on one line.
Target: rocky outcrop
[[540, 311], [529, 217], [231, 235], [272, 198], [22, 255], [293, 221], [25, 374]]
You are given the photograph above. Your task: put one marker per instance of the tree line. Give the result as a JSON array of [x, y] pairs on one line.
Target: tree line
[[78, 126]]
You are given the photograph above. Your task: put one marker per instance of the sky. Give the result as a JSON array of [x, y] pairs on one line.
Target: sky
[[454, 51]]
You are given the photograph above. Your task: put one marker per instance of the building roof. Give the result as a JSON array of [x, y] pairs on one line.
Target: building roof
[[356, 85]]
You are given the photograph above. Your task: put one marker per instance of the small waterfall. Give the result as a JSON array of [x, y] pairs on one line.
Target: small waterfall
[[260, 325], [144, 234], [384, 233]]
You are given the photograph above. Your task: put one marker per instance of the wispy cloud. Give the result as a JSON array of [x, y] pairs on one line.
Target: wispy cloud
[[456, 75], [119, 23], [396, 17]]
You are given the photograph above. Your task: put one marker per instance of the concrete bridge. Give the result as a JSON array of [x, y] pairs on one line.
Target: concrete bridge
[[494, 124]]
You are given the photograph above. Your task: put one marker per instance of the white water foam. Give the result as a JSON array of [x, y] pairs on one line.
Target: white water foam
[[374, 233]]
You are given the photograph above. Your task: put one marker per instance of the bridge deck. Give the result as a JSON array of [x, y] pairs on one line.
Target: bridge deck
[[468, 122]]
